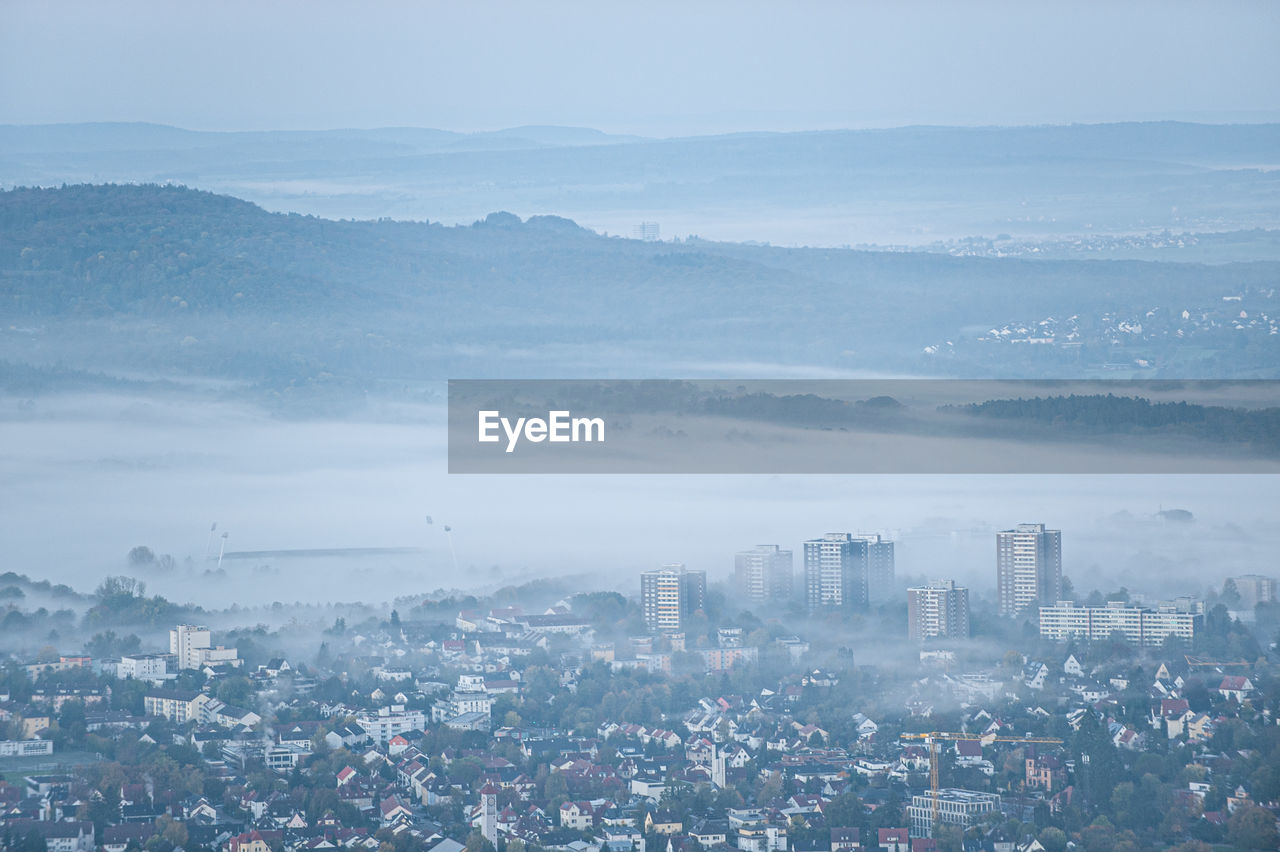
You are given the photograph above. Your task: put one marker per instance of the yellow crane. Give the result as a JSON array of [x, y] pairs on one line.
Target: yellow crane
[[934, 738], [1195, 662]]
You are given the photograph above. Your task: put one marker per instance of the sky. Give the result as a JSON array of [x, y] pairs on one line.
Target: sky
[[653, 68]]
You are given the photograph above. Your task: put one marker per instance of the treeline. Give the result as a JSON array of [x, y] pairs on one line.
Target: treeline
[[1098, 414]]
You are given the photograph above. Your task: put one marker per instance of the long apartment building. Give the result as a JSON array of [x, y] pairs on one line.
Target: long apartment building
[[1140, 625]]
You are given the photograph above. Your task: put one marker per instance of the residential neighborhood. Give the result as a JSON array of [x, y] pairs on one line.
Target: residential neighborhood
[[567, 725]]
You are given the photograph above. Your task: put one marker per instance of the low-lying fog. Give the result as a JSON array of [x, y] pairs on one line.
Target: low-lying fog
[[86, 478]]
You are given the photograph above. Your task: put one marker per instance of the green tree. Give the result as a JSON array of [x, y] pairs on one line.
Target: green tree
[[1253, 827], [1053, 839]]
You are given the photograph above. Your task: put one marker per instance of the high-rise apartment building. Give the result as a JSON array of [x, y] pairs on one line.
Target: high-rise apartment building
[[1028, 568], [186, 641], [192, 647], [670, 594], [764, 573], [1254, 589], [835, 572], [880, 568], [939, 610]]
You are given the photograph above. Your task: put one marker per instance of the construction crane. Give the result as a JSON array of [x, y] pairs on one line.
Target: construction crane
[[1214, 664], [934, 738]]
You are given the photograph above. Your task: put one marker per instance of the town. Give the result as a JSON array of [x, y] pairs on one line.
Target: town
[[830, 709]]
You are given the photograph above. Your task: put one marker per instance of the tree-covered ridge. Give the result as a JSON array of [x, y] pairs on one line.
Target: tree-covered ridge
[[95, 276], [1131, 415]]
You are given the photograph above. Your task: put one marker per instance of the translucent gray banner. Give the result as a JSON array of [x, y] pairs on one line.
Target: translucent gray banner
[[863, 426]]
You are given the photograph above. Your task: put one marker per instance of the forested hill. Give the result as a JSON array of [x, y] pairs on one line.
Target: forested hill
[[172, 279]]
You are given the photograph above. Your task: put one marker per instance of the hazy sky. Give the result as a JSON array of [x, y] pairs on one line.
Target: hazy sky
[[650, 67]]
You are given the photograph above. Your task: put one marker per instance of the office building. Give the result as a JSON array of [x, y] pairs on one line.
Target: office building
[[964, 808], [1140, 625], [835, 573], [1028, 568], [764, 573], [671, 594], [938, 611]]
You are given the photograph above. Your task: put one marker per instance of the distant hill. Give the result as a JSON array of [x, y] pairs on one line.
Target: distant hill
[[900, 186], [177, 281]]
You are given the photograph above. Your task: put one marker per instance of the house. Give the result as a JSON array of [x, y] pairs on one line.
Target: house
[[1045, 773], [893, 840], [116, 838], [866, 728], [662, 822], [1235, 688], [298, 734], [846, 840], [577, 815], [72, 836], [1034, 675], [1199, 727], [1072, 667], [1238, 799], [762, 837], [392, 810], [278, 666], [968, 752], [347, 735], [251, 841], [710, 833], [1173, 714]]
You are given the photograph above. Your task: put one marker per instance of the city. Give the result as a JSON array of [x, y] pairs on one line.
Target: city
[[833, 426], [693, 715]]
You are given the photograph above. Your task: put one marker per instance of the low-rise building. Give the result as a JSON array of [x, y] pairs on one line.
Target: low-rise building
[[955, 807]]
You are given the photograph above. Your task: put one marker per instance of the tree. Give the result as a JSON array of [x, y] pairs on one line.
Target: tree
[[141, 556], [845, 811], [173, 831], [476, 842], [950, 837], [1253, 827], [555, 786], [1053, 839], [119, 586], [1230, 597]]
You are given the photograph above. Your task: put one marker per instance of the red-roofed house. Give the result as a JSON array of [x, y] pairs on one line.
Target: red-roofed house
[[393, 810], [1236, 687], [1174, 712], [251, 841]]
